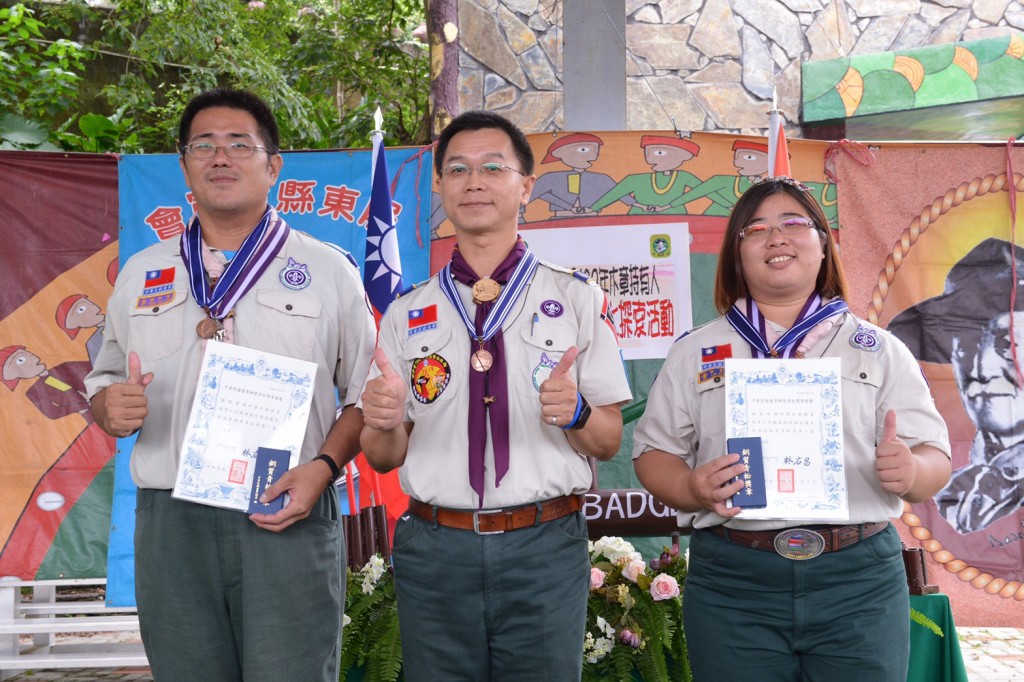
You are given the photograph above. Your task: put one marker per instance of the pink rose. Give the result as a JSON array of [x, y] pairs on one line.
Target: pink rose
[[664, 587], [633, 569], [596, 578]]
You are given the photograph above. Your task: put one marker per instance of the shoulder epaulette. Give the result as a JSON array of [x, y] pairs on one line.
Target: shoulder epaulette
[[575, 272], [346, 254], [406, 290], [692, 330]]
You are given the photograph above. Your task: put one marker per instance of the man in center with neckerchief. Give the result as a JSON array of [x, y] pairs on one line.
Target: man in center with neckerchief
[[493, 385]]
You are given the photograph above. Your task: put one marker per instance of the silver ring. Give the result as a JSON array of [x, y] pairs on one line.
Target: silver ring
[[554, 420]]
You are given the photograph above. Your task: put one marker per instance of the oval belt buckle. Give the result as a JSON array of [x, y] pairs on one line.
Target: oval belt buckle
[[799, 544]]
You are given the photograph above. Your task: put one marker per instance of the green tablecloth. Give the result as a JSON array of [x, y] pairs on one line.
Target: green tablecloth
[[934, 647]]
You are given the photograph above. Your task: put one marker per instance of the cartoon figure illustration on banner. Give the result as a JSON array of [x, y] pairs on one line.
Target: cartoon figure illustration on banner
[[972, 326], [826, 194], [77, 312], [58, 391], [571, 193], [659, 190], [750, 160]]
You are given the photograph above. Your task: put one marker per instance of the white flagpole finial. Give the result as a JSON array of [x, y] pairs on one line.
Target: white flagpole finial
[[378, 120]]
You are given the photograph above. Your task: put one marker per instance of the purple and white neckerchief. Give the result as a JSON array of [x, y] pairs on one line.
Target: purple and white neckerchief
[[510, 293], [515, 274], [256, 253], [752, 326]]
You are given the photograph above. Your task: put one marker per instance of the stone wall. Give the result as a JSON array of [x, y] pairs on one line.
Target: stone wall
[[699, 64]]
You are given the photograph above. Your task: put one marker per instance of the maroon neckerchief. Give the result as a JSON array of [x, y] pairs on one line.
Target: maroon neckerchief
[[493, 382]]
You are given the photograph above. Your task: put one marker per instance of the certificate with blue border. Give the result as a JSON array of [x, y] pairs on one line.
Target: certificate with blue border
[[795, 407], [246, 399]]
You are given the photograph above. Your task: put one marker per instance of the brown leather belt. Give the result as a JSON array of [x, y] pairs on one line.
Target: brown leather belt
[[835, 537], [492, 521]]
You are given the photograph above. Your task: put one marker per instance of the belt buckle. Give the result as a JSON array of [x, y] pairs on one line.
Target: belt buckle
[[799, 544], [476, 523]]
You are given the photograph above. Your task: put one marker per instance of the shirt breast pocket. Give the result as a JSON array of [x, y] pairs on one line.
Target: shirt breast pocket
[[428, 358], [711, 397], [545, 342], [861, 383], [158, 331], [287, 324]]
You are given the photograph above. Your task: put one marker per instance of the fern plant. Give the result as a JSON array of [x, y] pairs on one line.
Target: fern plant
[[370, 638]]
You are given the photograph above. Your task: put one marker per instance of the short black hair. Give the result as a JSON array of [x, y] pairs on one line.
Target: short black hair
[[482, 120], [232, 99]]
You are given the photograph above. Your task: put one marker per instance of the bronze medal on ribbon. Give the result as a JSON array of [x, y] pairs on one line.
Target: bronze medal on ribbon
[[208, 328], [485, 290], [481, 360]]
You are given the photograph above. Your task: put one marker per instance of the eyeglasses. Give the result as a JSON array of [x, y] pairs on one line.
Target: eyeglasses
[[787, 228], [492, 169], [235, 150]]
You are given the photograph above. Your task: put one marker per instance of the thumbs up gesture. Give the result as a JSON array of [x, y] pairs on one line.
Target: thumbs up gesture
[[558, 392], [894, 463], [120, 408], [384, 397]]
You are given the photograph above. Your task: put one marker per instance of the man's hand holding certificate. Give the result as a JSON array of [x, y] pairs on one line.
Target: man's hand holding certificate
[[794, 408]]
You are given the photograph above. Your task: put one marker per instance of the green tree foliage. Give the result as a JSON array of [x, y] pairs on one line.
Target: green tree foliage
[[38, 79], [323, 66]]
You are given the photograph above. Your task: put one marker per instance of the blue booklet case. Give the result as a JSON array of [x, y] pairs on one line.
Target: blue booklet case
[[753, 494], [270, 466]]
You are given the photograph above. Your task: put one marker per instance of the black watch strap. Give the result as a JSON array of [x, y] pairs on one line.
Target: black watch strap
[[335, 471], [584, 416]]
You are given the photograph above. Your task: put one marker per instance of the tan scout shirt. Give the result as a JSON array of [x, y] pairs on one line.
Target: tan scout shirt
[[543, 464], [686, 417], [326, 322]]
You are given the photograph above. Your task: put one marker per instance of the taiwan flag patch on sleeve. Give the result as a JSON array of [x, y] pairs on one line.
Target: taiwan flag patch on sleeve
[[712, 362], [422, 319]]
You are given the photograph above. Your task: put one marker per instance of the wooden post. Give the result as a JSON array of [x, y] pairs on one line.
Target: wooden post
[[443, 38]]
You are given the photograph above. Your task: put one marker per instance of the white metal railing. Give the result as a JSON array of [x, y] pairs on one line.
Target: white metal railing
[[43, 616]]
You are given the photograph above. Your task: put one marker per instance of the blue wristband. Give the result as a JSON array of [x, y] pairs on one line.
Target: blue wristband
[[576, 415]]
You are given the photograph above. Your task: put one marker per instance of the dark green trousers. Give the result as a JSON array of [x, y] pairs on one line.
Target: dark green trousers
[[485, 608], [754, 616], [220, 599]]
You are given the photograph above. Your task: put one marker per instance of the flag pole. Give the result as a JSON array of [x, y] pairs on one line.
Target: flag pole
[[378, 196], [778, 151]]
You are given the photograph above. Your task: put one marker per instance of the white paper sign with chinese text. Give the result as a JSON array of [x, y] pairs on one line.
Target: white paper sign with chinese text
[[644, 269]]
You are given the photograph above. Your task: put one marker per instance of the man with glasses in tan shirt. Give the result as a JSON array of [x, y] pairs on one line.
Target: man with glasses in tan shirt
[[221, 595]]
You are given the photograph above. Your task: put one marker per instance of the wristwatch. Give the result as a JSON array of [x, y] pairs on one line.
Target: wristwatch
[[329, 461], [581, 421]]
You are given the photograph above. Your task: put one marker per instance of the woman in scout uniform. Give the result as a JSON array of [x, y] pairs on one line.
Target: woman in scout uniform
[[786, 599]]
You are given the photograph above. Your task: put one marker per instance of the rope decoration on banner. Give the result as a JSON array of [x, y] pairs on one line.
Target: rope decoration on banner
[[964, 571], [965, 191], [855, 150], [418, 157]]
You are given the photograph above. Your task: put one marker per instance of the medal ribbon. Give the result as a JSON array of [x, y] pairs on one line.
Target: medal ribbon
[[752, 327], [514, 274], [256, 253]]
